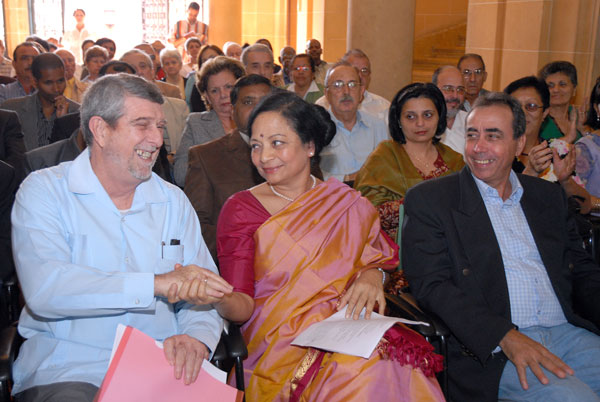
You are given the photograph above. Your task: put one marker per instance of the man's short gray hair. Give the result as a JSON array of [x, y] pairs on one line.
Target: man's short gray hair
[[336, 65], [106, 99], [257, 47], [173, 53], [502, 99], [137, 51], [356, 53], [438, 71]]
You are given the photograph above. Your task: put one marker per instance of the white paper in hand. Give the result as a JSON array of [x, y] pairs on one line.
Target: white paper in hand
[[345, 335]]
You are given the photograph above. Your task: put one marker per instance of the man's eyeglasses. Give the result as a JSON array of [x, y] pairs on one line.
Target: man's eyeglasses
[[302, 68], [531, 107], [467, 73], [365, 70], [449, 89], [339, 84]]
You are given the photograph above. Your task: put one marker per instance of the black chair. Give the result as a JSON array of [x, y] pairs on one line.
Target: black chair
[[436, 333], [231, 351], [10, 340]]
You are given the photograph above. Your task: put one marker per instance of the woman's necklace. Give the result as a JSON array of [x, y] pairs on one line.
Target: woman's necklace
[[422, 163], [314, 183]]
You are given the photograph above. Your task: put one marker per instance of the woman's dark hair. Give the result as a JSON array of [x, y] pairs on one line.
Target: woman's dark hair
[[416, 90], [204, 49], [311, 122], [559, 67], [305, 56], [102, 41], [85, 42], [531, 82], [592, 115]]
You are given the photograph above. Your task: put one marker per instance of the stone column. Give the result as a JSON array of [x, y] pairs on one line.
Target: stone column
[[518, 38], [385, 31], [16, 17], [225, 18]]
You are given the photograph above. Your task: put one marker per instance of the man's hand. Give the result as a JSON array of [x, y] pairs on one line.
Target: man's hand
[[61, 105], [201, 290], [185, 354], [366, 290], [169, 284], [525, 352]]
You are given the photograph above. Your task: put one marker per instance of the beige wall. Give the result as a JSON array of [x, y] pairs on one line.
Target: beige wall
[[322, 20], [434, 15], [517, 38], [16, 17], [384, 30]]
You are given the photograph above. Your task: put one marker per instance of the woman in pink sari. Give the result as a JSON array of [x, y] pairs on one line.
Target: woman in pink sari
[[296, 250]]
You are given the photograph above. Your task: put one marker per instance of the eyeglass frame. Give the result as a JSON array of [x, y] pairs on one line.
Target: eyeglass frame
[[466, 73], [459, 90], [338, 85]]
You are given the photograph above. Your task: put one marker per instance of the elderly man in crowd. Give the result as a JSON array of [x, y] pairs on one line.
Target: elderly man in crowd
[[38, 111], [258, 59], [101, 241], [497, 257], [313, 48], [223, 167], [371, 103], [23, 56], [450, 81], [146, 68], [233, 50], [175, 109], [286, 55], [74, 88], [358, 132], [472, 68]]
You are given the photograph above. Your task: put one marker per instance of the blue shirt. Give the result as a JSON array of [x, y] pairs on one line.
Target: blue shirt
[[84, 267], [532, 298], [349, 150], [12, 90]]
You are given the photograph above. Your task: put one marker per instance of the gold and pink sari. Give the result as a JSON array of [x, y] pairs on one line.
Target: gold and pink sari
[[305, 256]]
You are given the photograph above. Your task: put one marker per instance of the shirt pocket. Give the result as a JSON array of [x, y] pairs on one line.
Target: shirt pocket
[[171, 255]]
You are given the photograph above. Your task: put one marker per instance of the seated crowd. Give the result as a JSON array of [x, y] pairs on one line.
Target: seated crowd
[[172, 192]]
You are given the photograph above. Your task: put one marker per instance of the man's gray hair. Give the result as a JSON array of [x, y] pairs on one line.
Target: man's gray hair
[[137, 51], [438, 71], [502, 99], [173, 53], [356, 53], [106, 99], [336, 65], [257, 47]]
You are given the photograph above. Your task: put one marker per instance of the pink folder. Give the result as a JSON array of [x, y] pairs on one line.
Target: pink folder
[[139, 371]]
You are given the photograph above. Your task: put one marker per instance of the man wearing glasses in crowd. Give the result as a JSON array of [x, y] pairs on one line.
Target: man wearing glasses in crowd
[[450, 81], [358, 132], [371, 103], [472, 68]]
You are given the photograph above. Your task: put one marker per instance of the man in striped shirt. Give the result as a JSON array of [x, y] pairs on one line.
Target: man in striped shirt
[[185, 29]]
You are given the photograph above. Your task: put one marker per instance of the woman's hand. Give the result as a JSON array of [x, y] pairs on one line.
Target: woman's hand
[[366, 290], [540, 157], [563, 168], [204, 288]]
